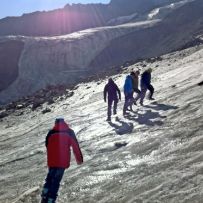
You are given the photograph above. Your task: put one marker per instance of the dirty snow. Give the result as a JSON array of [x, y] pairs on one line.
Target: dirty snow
[[154, 155]]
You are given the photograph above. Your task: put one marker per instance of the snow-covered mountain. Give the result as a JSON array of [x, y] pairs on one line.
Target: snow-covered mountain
[[153, 155], [75, 17], [28, 64]]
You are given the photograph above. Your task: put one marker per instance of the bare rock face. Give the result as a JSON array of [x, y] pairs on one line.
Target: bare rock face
[[10, 52]]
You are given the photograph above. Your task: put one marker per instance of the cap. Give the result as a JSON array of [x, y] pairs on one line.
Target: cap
[[132, 73], [137, 72], [149, 70], [58, 120]]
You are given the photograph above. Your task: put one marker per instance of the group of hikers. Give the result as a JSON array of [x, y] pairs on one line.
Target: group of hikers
[[61, 137], [130, 87]]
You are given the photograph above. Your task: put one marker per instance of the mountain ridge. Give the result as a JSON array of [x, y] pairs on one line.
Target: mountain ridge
[[74, 17]]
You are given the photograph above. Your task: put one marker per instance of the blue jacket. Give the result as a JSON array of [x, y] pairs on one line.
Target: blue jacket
[[128, 86], [146, 79]]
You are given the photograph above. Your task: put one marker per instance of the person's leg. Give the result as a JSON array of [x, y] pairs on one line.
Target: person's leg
[[137, 96], [137, 91], [151, 89], [55, 184], [115, 107], [142, 94], [130, 101], [125, 104], [47, 185], [109, 109]]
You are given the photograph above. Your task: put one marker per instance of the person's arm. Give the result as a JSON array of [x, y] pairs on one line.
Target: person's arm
[[148, 79], [105, 92], [76, 148], [47, 138]]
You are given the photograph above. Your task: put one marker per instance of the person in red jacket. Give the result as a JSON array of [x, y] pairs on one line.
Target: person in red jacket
[[58, 143]]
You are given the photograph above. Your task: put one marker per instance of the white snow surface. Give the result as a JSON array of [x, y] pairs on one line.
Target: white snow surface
[[155, 155], [122, 19], [161, 12]]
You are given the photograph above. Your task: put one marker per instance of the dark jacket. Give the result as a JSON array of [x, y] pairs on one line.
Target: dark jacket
[[135, 81], [146, 79], [112, 90], [58, 143]]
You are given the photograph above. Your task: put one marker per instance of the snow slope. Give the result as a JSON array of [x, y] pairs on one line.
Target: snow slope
[[154, 155], [161, 12]]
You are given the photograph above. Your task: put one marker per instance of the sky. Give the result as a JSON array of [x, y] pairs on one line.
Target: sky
[[18, 7]]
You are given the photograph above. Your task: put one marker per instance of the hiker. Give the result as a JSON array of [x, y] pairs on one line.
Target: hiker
[[135, 82], [146, 85], [113, 93], [128, 92], [58, 143]]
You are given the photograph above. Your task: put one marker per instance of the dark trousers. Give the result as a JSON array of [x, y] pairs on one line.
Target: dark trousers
[[151, 89], [128, 102], [115, 104], [138, 92], [52, 184], [144, 90]]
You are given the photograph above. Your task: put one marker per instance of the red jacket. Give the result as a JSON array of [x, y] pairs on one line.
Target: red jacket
[[58, 143]]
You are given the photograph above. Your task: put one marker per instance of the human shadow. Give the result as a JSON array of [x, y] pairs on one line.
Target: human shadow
[[124, 128], [161, 107], [148, 118], [152, 118]]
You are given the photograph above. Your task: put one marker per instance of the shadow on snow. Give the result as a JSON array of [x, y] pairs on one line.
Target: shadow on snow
[[149, 118], [124, 128]]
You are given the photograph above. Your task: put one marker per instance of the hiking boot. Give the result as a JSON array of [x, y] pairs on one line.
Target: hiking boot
[[43, 200], [151, 98], [108, 119]]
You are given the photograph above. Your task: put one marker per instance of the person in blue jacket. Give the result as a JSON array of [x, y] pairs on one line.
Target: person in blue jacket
[[113, 92], [128, 92], [146, 85]]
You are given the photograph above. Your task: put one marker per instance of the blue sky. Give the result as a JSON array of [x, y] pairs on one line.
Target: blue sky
[[18, 7]]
